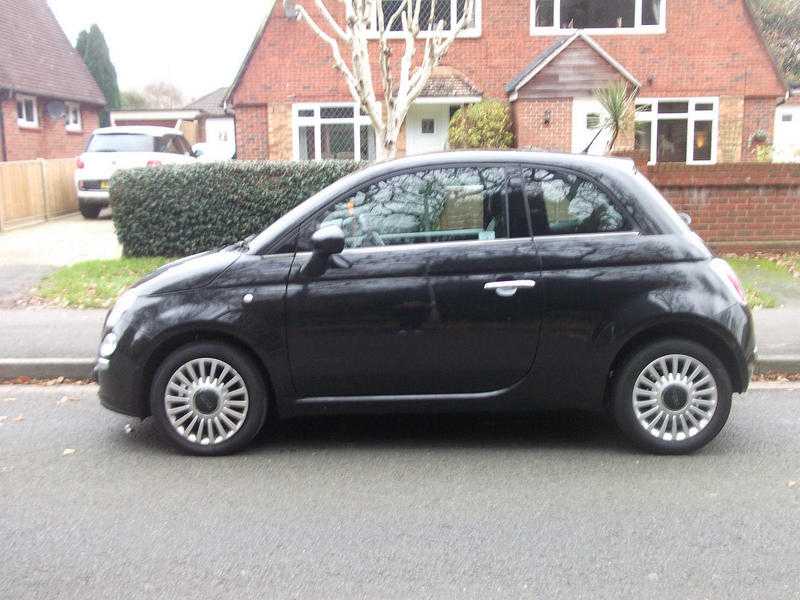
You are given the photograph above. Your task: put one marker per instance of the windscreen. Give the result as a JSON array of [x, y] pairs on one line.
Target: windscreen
[[122, 142]]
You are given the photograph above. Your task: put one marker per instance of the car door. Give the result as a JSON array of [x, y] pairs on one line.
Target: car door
[[593, 264], [420, 302]]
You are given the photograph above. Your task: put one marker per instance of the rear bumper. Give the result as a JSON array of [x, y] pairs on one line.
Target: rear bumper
[[93, 198]]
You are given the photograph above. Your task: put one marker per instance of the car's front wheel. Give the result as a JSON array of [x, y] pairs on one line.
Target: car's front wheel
[[672, 396], [208, 399]]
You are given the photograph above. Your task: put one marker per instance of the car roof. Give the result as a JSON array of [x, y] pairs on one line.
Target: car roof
[[140, 129], [581, 162]]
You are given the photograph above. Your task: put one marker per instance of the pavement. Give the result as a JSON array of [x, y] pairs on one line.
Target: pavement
[[395, 507], [29, 253]]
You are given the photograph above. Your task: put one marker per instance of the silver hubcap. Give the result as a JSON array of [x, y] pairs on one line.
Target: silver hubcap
[[675, 397], [206, 401]]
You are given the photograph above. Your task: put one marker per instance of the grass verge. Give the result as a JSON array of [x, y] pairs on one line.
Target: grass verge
[[761, 278], [95, 283]]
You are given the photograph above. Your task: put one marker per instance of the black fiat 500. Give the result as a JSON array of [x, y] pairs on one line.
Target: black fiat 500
[[470, 281]]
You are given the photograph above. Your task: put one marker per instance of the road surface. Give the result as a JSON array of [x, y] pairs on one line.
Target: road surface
[[424, 507]]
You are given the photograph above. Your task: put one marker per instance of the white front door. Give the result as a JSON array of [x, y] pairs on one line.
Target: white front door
[[220, 130], [426, 128], [588, 117]]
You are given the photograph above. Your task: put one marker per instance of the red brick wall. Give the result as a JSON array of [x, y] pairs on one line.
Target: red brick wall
[[736, 206], [251, 132], [50, 139], [531, 131]]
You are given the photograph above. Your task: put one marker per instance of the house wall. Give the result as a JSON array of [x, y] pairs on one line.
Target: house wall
[[711, 48], [251, 132], [530, 129], [50, 139], [759, 115]]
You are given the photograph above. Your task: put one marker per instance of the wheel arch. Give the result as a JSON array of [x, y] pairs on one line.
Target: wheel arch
[[177, 339], [701, 331]]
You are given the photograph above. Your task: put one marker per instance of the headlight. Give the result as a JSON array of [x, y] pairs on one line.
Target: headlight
[[108, 345], [123, 305]]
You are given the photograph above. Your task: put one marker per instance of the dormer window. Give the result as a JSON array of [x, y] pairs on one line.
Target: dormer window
[[598, 16]]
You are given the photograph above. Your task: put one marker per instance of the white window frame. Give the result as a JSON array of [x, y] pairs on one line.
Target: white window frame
[[23, 122], [357, 120], [637, 29], [467, 32], [68, 125], [692, 117]]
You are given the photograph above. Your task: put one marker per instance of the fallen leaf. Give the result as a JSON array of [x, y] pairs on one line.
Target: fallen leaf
[[65, 399], [18, 418], [9, 400], [792, 484], [128, 427], [68, 452]]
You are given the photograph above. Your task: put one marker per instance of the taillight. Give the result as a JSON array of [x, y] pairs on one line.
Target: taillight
[[153, 163], [79, 163], [728, 276]]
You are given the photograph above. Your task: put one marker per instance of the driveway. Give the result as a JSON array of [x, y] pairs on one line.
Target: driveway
[[395, 507], [30, 253]]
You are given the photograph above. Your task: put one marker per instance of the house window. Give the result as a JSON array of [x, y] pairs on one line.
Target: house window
[[428, 126], [431, 13], [336, 131], [27, 112], [678, 130], [73, 117], [604, 16], [786, 118]]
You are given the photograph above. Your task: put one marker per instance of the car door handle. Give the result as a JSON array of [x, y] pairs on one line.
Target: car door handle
[[507, 289]]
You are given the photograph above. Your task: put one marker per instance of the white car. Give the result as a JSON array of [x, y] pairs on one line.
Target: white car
[[113, 148]]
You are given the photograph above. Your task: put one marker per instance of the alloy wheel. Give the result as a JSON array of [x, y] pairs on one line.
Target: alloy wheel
[[206, 401], [675, 397]]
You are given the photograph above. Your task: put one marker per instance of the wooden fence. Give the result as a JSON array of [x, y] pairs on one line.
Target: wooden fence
[[36, 190]]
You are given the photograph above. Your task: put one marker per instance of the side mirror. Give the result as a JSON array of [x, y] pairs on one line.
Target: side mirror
[[327, 242], [685, 218]]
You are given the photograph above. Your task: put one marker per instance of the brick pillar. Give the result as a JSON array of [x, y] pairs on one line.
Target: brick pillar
[[731, 122]]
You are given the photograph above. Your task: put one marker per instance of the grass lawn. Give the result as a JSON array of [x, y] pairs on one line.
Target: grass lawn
[[767, 283], [95, 283]]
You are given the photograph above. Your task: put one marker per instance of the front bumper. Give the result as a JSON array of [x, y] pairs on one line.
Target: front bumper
[[119, 378]]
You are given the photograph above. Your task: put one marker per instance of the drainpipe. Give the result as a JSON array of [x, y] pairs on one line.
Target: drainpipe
[[3, 151]]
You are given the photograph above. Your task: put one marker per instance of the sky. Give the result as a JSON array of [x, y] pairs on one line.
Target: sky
[[198, 45]]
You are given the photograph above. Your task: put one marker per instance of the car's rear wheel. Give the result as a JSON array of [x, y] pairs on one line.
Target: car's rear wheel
[[90, 211], [208, 398], [672, 396]]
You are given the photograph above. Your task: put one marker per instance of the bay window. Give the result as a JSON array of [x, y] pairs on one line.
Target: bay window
[[332, 131], [681, 130], [605, 16]]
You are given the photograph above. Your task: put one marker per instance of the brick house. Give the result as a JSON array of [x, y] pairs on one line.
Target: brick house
[[49, 102], [705, 80]]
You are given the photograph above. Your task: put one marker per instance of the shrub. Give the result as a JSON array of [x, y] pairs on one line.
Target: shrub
[[183, 209], [486, 124]]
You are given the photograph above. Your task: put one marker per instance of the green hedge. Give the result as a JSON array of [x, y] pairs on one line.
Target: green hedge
[[184, 209]]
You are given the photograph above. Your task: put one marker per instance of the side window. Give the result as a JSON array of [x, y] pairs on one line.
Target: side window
[[566, 204], [426, 206]]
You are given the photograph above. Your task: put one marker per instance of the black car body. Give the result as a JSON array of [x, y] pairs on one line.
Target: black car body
[[541, 280]]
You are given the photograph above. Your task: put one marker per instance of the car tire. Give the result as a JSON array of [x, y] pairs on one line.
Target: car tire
[[208, 398], [90, 211], [672, 396]]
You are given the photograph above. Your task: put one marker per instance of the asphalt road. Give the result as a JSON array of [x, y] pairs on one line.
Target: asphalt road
[[423, 507]]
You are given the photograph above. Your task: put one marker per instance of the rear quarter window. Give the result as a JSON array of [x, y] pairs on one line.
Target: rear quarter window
[[121, 142]]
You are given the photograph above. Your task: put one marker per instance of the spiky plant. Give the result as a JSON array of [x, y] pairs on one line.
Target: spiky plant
[[618, 101]]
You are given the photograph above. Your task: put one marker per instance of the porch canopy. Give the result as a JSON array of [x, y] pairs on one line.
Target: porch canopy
[[448, 86]]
